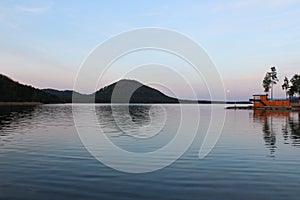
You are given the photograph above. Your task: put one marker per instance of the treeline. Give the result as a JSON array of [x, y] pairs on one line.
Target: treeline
[[291, 87], [12, 91]]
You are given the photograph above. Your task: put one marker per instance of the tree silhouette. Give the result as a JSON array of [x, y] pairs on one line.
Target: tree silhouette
[[274, 79], [267, 82], [295, 87], [285, 86], [270, 80]]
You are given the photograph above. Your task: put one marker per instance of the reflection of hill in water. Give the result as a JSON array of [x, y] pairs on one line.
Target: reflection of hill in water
[[140, 114], [275, 123], [133, 120], [138, 125], [15, 120], [107, 117], [16, 115]]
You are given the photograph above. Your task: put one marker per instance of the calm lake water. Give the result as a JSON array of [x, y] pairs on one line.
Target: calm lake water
[[42, 157]]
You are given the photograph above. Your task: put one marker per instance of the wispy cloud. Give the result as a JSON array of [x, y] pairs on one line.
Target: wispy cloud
[[34, 10]]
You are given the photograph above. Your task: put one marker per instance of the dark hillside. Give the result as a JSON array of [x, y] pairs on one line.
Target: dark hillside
[[12, 91]]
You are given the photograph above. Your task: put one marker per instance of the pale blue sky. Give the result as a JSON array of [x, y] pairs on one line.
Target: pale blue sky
[[44, 42]]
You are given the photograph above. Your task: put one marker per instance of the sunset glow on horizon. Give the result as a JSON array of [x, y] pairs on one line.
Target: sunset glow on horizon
[[44, 43]]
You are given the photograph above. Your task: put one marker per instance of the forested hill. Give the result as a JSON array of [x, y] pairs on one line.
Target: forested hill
[[139, 93], [127, 91], [12, 91]]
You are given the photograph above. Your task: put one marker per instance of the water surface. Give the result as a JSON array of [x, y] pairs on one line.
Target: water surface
[[42, 157]]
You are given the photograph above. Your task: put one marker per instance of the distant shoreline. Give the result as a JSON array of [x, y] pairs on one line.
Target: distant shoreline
[[278, 108], [183, 102], [14, 93], [20, 103]]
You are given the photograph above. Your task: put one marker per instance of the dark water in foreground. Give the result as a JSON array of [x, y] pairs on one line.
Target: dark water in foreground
[[42, 157]]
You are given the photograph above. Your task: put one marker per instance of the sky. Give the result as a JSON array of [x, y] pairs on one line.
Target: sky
[[43, 43]]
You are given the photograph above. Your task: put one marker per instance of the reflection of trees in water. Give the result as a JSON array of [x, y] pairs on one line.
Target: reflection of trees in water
[[270, 119], [285, 131], [269, 136], [295, 131]]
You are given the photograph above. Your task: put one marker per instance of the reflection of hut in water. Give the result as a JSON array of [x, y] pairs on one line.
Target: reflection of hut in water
[[262, 115], [290, 126]]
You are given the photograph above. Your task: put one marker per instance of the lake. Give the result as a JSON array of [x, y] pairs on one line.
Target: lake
[[42, 156]]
